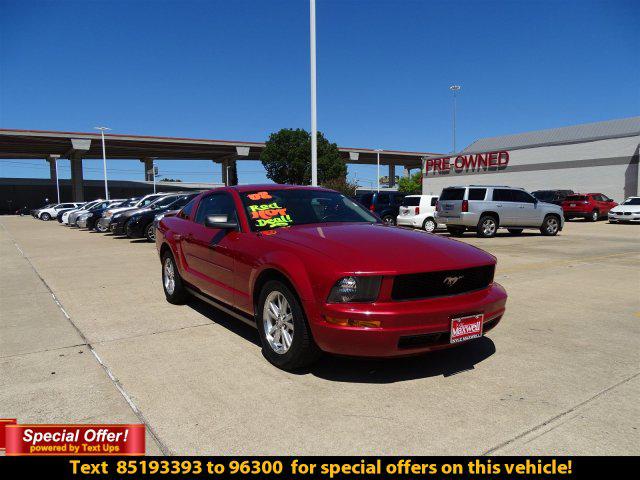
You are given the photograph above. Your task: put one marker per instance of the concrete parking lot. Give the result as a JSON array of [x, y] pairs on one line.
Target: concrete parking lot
[[87, 336]]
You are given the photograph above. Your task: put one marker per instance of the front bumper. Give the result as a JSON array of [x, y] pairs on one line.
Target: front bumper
[[117, 227], [136, 228], [624, 217], [82, 222], [406, 328]]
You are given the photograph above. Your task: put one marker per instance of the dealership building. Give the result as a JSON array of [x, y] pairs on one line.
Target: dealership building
[[597, 157]]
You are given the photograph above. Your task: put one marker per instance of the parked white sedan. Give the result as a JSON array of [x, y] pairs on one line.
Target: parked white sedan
[[627, 211], [418, 211]]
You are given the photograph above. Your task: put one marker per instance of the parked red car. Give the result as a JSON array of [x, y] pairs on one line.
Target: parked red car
[[590, 206], [315, 271]]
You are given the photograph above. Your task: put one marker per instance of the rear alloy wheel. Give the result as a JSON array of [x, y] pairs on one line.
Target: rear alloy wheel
[[515, 231], [150, 233], [171, 281], [101, 228], [284, 333], [550, 226], [388, 220], [487, 226], [595, 215], [429, 225], [45, 216]]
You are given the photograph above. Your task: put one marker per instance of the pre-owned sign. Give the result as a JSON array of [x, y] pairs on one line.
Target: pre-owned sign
[[471, 162]]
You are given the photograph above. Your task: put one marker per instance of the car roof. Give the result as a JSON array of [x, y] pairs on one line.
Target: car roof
[[486, 186]]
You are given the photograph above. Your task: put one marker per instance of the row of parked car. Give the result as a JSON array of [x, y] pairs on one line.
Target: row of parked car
[[133, 217], [485, 208]]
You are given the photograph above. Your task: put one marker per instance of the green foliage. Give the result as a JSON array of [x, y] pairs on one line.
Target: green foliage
[[341, 185], [411, 185], [287, 158]]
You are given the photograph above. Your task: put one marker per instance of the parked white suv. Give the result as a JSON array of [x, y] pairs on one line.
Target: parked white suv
[[52, 212], [485, 208], [418, 211]]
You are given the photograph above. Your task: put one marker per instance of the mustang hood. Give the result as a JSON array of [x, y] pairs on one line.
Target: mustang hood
[[367, 248]]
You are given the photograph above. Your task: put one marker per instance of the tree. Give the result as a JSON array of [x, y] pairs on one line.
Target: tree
[[287, 158], [411, 184], [341, 185]]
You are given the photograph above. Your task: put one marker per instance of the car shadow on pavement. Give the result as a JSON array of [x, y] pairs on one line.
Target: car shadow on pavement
[[443, 362], [224, 320]]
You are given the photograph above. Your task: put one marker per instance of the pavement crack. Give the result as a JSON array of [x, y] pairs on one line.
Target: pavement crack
[[561, 415]]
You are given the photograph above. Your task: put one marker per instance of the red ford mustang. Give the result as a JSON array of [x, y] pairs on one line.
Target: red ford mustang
[[314, 271]]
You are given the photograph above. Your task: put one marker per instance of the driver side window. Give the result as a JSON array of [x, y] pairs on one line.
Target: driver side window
[[185, 212], [216, 204]]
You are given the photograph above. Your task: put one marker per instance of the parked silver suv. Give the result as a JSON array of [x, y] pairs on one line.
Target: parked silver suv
[[485, 208]]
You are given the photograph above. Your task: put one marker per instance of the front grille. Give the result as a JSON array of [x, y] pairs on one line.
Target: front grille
[[441, 284]]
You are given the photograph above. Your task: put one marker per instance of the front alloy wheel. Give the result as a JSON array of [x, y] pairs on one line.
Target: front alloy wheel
[[277, 320], [285, 335], [388, 220]]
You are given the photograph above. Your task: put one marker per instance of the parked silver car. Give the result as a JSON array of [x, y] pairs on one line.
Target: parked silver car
[[485, 208]]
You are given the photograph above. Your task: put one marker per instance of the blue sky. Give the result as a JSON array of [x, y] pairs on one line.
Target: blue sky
[[240, 70]]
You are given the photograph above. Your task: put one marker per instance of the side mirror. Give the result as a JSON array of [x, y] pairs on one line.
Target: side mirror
[[220, 221]]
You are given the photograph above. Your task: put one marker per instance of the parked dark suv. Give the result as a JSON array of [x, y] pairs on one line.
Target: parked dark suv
[[385, 204], [552, 196]]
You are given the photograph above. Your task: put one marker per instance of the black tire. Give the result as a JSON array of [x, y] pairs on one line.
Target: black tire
[[487, 226], [388, 220], [550, 226], [150, 233], [455, 231], [594, 216], [302, 351], [515, 231], [429, 225], [45, 216], [178, 295], [100, 228], [566, 218]]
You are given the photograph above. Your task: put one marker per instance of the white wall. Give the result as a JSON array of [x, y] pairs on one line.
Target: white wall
[[616, 181]]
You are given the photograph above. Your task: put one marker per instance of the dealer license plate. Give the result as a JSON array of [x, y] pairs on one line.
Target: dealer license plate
[[572, 204], [466, 328]]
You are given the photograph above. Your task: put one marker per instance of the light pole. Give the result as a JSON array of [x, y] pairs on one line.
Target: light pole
[[377, 150], [104, 161], [55, 163], [314, 125], [455, 89]]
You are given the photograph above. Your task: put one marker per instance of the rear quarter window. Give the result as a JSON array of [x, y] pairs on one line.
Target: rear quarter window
[[477, 193], [411, 201], [452, 194]]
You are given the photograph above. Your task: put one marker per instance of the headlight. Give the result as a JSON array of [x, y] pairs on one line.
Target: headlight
[[116, 216], [158, 217], [355, 289]]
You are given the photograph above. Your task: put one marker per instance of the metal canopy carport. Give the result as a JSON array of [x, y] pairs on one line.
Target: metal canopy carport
[[75, 146]]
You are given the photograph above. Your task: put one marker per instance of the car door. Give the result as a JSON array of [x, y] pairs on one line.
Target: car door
[[505, 206], [208, 252], [527, 213]]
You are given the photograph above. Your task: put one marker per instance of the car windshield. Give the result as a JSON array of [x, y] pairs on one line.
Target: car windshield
[[128, 203], [632, 201], [284, 208], [164, 201]]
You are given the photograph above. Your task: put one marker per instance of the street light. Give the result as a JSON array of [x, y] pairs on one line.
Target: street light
[[454, 89], [377, 150], [314, 126], [104, 161]]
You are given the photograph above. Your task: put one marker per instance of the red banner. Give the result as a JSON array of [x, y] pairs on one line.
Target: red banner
[[75, 439], [3, 423]]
